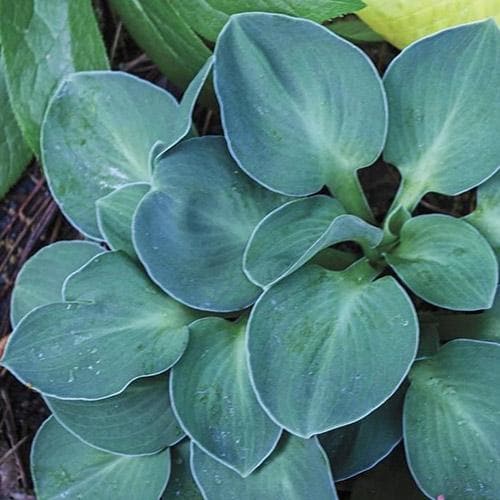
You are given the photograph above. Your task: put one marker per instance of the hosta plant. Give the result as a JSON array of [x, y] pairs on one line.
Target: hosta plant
[[226, 342]]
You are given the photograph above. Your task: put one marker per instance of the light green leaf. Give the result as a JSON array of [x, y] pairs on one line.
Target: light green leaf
[[360, 446], [326, 87], [41, 278], [181, 483], [69, 350], [191, 229], [64, 467], [15, 154], [482, 326], [443, 101], [138, 421], [115, 212], [214, 400], [452, 421], [294, 233], [446, 262], [297, 469], [486, 216], [327, 348], [42, 42]]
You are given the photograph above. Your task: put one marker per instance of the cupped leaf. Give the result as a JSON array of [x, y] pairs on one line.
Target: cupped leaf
[[443, 100], [15, 154], [294, 233], [446, 262], [181, 483], [64, 467], [323, 85], [298, 468], [327, 348], [42, 42], [452, 421], [41, 278], [98, 133], [138, 421], [358, 447], [214, 400], [191, 229], [69, 350], [486, 216], [115, 212]]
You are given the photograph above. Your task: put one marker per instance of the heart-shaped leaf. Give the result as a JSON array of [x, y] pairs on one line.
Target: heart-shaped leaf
[[69, 350], [138, 421], [294, 233], [446, 262], [214, 400], [65, 467], [326, 348], [41, 278], [298, 468], [115, 212], [358, 447], [443, 102], [98, 133], [191, 229], [323, 85], [452, 421], [181, 483], [486, 216]]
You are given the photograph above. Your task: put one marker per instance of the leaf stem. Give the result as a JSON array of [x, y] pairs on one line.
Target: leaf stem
[[362, 271]]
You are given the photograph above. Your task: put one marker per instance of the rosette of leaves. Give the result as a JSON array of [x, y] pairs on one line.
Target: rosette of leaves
[[224, 347]]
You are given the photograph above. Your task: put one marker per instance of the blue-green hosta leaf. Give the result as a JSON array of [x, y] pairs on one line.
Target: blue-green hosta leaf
[[446, 262], [482, 326], [69, 350], [115, 212], [358, 447], [138, 421], [64, 467], [486, 216], [15, 154], [181, 483], [214, 400], [326, 348], [443, 107], [42, 42], [299, 118], [452, 421], [297, 469], [191, 229], [294, 233], [98, 134], [41, 278]]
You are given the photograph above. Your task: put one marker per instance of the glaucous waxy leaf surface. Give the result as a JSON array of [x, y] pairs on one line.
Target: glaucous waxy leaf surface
[[452, 421], [359, 446], [138, 421], [214, 400], [443, 108], [42, 42], [447, 262], [191, 229], [41, 278], [69, 350], [115, 212], [64, 467], [181, 484], [321, 117], [486, 216], [297, 469], [317, 339], [294, 233], [98, 134]]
